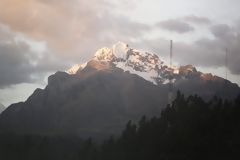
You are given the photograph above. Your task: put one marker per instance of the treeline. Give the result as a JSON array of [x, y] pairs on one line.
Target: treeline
[[190, 128], [36, 147]]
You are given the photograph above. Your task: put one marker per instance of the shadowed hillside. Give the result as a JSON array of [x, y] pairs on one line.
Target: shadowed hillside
[[188, 129]]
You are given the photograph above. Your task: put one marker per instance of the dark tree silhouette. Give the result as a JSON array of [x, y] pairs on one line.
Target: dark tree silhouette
[[188, 129]]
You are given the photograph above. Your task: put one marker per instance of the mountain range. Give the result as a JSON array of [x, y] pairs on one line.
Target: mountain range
[[153, 69], [98, 97]]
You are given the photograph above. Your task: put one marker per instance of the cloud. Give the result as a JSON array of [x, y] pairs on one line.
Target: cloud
[[69, 26], [196, 19], [228, 37], [183, 24], [72, 31], [222, 31], [204, 52], [13, 64], [18, 63], [175, 25]]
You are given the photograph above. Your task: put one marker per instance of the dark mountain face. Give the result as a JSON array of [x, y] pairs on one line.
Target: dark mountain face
[[153, 69], [98, 98], [92, 102], [204, 85]]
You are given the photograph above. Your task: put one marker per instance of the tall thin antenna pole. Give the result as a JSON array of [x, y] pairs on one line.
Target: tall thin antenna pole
[[170, 93], [226, 63], [171, 52]]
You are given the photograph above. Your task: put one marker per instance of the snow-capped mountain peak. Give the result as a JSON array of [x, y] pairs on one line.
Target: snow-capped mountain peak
[[76, 67], [144, 64], [104, 54], [120, 50], [120, 55]]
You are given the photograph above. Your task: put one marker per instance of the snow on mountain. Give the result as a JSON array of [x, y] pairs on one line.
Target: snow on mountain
[[120, 50], [143, 64], [104, 54], [146, 65], [104, 92], [76, 67]]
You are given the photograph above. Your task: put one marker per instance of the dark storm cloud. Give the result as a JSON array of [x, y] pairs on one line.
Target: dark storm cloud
[[13, 64], [223, 31], [175, 25], [211, 52], [18, 63], [228, 37], [205, 52], [198, 54]]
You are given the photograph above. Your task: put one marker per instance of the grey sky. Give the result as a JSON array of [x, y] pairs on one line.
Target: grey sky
[[38, 37]]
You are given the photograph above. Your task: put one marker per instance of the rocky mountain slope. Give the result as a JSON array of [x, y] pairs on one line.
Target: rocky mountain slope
[[153, 69], [97, 98], [92, 102]]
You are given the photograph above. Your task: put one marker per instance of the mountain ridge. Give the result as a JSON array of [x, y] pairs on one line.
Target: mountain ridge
[[98, 98], [91, 103], [147, 65]]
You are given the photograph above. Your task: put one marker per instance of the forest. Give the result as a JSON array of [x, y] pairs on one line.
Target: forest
[[189, 128]]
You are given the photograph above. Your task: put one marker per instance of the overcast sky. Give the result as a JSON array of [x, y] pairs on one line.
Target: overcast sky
[[39, 37]]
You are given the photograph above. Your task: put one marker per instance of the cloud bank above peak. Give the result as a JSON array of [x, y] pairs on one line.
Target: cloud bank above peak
[[65, 25], [71, 31]]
